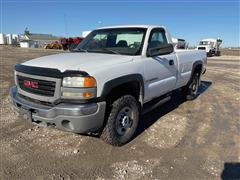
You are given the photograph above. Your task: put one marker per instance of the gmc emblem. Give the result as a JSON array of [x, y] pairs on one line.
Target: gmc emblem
[[32, 84]]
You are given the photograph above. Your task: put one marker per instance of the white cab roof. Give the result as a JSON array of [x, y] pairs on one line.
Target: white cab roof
[[211, 40], [132, 26]]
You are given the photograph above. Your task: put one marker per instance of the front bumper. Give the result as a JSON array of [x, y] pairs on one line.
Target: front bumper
[[76, 118]]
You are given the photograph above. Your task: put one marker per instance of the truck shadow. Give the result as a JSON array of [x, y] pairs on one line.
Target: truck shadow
[[231, 171], [151, 117]]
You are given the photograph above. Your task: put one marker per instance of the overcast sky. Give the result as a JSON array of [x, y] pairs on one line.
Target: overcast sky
[[191, 20]]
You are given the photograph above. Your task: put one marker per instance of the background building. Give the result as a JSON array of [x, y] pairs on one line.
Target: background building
[[9, 39], [35, 40], [3, 38]]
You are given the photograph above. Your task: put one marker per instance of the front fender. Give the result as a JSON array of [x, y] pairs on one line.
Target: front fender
[[110, 85]]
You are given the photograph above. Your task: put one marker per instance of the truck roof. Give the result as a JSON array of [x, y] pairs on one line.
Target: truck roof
[[131, 26], [212, 40]]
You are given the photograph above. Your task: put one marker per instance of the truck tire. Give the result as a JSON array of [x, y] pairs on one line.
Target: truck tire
[[122, 121], [209, 54], [190, 91]]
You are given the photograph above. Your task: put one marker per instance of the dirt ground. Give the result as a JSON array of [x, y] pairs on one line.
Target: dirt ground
[[230, 52], [198, 139]]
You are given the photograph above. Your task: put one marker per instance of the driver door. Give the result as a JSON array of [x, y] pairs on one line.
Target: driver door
[[160, 71]]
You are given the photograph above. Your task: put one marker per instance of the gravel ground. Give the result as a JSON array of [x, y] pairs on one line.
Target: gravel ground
[[230, 52], [179, 140]]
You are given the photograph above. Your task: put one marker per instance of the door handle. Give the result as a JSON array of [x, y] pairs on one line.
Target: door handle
[[171, 62]]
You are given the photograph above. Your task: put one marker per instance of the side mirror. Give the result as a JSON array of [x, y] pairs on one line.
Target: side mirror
[[160, 50]]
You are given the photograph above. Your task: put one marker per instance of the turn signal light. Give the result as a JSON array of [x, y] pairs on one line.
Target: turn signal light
[[89, 82]]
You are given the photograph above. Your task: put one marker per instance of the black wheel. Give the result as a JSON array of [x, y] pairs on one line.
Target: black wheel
[[209, 54], [190, 91], [122, 121]]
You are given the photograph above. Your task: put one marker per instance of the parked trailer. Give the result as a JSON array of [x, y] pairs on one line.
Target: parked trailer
[[70, 43], [179, 43]]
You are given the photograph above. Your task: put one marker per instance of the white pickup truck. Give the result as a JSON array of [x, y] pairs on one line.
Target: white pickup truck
[[114, 75]]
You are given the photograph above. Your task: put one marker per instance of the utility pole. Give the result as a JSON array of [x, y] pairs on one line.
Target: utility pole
[[66, 27]]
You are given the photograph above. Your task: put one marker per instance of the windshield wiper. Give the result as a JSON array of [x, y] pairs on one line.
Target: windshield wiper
[[109, 50]]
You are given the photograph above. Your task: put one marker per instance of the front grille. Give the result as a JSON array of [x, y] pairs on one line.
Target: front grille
[[202, 48], [34, 100], [44, 88]]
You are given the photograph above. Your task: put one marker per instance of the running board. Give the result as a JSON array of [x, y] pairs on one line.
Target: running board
[[152, 106]]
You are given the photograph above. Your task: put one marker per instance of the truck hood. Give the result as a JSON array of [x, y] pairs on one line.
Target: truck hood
[[78, 61]]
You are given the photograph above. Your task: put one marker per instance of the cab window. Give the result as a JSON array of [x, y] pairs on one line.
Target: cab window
[[157, 38]]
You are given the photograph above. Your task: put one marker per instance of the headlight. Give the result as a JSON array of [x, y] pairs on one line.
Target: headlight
[[79, 87], [80, 82]]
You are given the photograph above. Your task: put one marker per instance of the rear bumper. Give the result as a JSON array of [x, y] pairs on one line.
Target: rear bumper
[[76, 118]]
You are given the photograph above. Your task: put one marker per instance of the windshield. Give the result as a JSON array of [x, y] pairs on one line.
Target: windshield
[[128, 41], [205, 43]]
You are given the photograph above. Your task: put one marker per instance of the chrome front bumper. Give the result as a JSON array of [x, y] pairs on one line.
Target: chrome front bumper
[[77, 118]]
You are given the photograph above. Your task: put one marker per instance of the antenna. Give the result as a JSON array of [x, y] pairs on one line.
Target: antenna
[[1, 14]]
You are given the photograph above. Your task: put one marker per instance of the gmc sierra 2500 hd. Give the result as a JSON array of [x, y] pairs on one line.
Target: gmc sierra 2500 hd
[[114, 75]]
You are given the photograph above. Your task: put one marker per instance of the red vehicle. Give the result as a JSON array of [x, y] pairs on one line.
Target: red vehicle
[[70, 43]]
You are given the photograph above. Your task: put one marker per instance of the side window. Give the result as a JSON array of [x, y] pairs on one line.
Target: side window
[[157, 38]]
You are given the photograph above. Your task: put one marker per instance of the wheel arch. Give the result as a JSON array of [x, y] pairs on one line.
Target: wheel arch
[[124, 82], [197, 67]]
